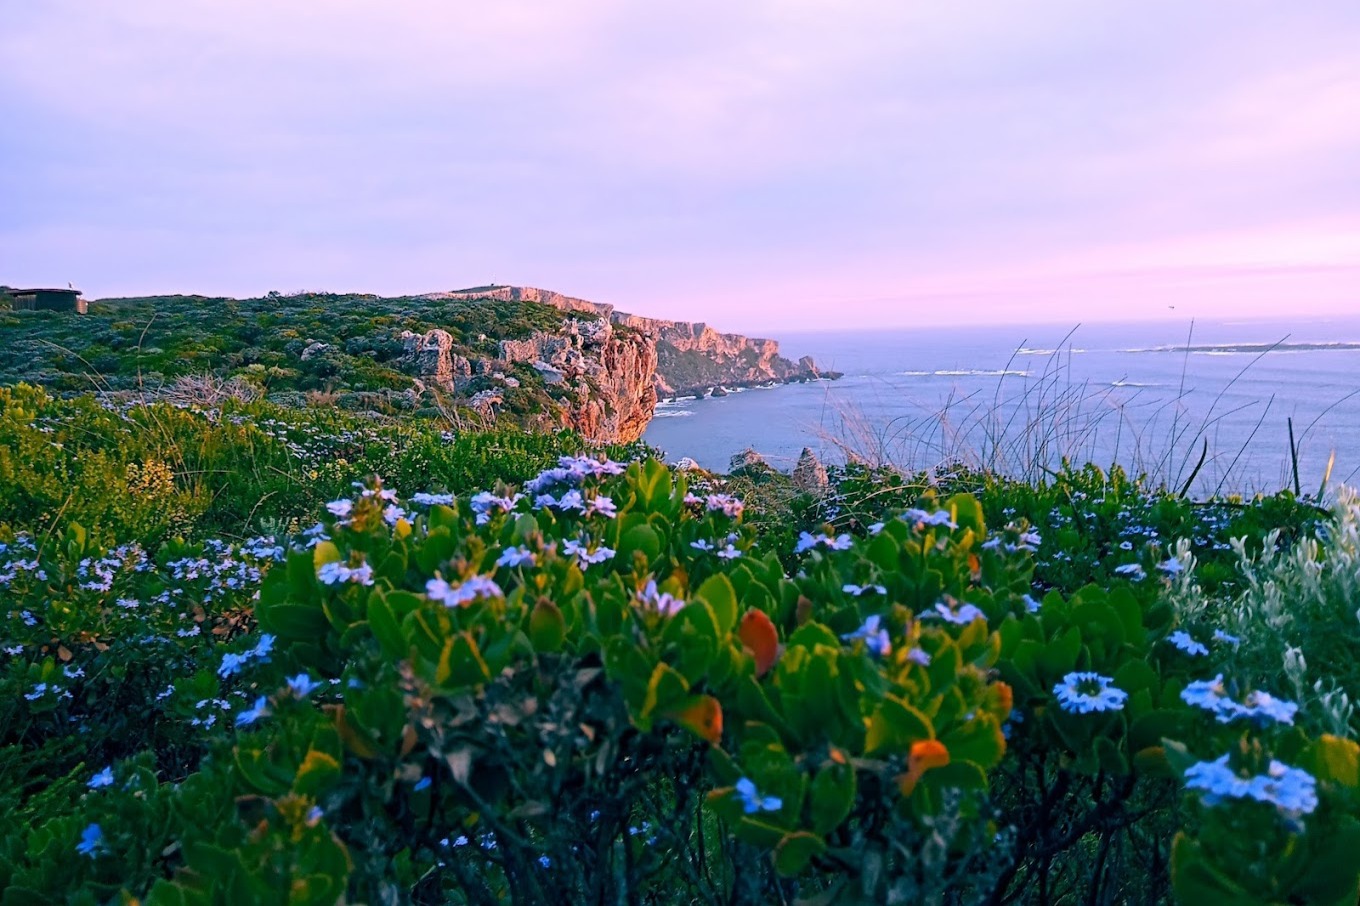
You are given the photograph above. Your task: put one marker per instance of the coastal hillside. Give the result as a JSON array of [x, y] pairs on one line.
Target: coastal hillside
[[519, 356], [693, 358]]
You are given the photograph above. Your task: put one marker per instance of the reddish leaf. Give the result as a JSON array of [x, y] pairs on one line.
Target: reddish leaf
[[701, 715], [758, 634]]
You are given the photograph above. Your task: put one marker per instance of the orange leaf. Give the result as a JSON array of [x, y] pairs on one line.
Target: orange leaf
[[63, 653], [925, 754], [928, 753], [701, 715], [758, 634]]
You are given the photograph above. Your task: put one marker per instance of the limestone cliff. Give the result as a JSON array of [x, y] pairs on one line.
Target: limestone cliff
[[692, 358], [597, 379]]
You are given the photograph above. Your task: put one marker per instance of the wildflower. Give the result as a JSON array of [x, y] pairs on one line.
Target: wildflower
[[921, 517], [422, 784], [425, 499], [248, 717], [807, 541], [662, 602], [340, 508], [37, 692], [874, 636], [1132, 570], [302, 685], [91, 841], [485, 504], [263, 646], [702, 545], [954, 612], [729, 552], [724, 503], [1185, 642], [1084, 692], [851, 589], [1212, 696], [1291, 790], [603, 506], [515, 556], [469, 590], [585, 557], [919, 656], [572, 500], [1126, 545], [102, 779], [1031, 605], [333, 573], [1029, 541], [1221, 636], [876, 528], [393, 514], [1207, 694], [752, 801], [314, 815]]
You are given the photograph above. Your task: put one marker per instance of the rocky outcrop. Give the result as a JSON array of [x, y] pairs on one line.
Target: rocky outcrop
[[692, 358], [430, 357], [809, 474], [607, 375]]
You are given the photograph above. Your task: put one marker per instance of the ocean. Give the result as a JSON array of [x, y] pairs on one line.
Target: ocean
[[1153, 397]]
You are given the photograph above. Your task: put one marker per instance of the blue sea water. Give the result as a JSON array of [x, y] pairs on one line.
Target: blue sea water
[[1148, 396]]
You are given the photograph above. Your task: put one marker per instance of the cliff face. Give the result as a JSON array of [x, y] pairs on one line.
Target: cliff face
[[600, 380], [692, 358], [607, 376]]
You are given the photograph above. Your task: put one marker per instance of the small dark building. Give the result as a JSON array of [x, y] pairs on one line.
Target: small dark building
[[49, 300]]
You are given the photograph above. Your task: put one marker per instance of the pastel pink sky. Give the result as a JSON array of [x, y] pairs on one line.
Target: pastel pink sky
[[764, 165]]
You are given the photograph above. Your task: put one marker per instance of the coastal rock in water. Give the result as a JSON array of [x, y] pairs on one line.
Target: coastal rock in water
[[809, 474], [747, 459]]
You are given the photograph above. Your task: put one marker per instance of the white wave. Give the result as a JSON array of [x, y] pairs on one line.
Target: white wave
[[978, 372], [671, 413], [1026, 350]]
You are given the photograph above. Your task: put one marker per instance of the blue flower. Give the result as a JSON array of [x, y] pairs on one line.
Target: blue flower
[[752, 801], [954, 612], [1185, 642], [874, 636], [302, 685], [1291, 790], [261, 709], [1084, 692], [91, 840], [422, 784], [103, 778]]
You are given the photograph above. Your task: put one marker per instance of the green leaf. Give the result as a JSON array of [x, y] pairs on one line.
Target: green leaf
[[384, 623], [460, 663], [294, 621], [895, 725], [795, 851], [317, 772], [665, 690], [832, 797], [718, 593], [547, 628]]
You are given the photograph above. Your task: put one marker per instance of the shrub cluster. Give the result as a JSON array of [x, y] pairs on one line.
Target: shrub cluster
[[581, 680]]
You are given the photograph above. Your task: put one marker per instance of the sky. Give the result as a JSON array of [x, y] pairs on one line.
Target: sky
[[789, 164]]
